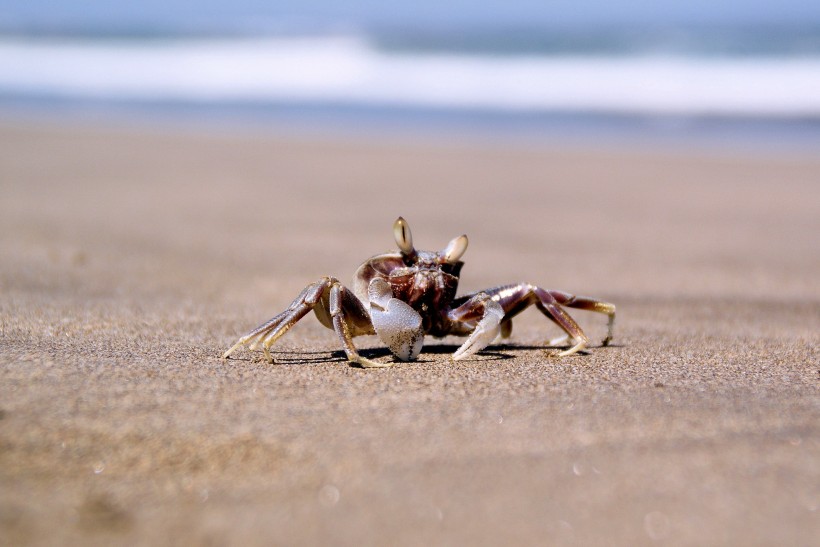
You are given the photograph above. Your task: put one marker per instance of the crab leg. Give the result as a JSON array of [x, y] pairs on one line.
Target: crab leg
[[516, 298], [263, 331], [343, 308], [550, 307], [271, 330], [589, 304], [334, 308]]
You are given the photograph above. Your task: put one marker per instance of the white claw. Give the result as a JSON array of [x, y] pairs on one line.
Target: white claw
[[397, 324], [485, 332]]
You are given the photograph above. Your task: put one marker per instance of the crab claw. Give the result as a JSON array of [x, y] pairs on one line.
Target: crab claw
[[397, 324], [486, 331]]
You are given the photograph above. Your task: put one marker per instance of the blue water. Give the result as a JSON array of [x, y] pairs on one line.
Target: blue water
[[510, 71]]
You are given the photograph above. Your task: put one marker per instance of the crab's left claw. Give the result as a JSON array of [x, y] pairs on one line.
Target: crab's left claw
[[397, 324], [487, 329]]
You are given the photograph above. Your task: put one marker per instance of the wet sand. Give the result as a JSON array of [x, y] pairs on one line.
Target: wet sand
[[131, 259]]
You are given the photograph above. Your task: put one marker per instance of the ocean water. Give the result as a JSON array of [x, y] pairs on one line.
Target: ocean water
[[727, 81]]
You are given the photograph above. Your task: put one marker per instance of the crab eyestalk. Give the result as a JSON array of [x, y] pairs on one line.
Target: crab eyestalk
[[454, 250], [404, 239]]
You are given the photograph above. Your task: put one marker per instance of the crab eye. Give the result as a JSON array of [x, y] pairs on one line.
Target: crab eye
[[404, 239], [455, 250]]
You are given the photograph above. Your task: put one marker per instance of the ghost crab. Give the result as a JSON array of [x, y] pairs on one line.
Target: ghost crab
[[402, 296]]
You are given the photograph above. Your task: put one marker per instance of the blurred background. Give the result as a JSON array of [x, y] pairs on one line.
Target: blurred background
[[733, 71]]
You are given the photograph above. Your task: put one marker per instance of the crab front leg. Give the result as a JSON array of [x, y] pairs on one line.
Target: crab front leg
[[486, 314], [335, 307], [346, 311]]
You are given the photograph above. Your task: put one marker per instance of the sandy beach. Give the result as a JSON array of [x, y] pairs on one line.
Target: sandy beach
[[131, 258]]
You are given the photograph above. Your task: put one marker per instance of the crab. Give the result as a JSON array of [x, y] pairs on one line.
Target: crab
[[403, 296]]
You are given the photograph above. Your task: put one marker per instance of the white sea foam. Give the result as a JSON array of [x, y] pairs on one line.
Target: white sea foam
[[348, 70]]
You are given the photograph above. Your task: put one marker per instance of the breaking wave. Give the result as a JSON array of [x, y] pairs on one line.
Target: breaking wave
[[354, 70]]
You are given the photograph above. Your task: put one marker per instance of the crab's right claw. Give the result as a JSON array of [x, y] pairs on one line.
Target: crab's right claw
[[397, 324]]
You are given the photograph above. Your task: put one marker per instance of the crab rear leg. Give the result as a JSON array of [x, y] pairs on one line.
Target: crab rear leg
[[548, 305], [335, 308], [346, 313], [589, 304], [513, 299], [271, 330]]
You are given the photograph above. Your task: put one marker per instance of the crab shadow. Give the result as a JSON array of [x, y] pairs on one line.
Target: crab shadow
[[490, 353], [499, 352], [494, 352]]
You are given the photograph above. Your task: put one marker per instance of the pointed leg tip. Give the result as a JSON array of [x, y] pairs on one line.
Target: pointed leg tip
[[233, 348], [567, 353], [574, 349]]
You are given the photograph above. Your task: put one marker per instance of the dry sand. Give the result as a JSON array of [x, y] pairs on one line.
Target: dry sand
[[129, 260]]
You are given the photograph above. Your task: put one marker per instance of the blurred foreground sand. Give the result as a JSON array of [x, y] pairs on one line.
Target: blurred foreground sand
[[129, 260]]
